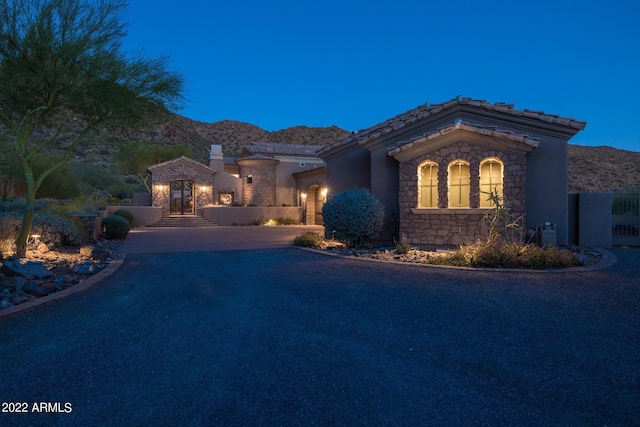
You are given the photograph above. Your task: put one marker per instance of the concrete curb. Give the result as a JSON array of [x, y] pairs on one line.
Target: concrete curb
[[88, 283], [607, 260]]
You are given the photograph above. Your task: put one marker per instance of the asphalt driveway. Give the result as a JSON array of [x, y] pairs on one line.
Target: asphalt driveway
[[282, 336]]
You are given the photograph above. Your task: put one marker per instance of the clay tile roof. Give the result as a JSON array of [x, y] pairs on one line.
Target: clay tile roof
[[428, 109], [229, 160], [464, 126], [257, 157], [272, 148], [182, 159]]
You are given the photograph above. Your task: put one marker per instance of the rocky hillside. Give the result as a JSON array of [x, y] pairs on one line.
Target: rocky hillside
[[602, 169], [591, 169]]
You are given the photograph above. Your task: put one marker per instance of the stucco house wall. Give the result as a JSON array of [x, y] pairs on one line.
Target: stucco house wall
[[545, 166]]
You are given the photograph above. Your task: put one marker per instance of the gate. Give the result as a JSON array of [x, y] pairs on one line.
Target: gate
[[626, 218]]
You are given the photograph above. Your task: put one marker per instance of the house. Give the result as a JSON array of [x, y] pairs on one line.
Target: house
[[265, 175], [431, 167]]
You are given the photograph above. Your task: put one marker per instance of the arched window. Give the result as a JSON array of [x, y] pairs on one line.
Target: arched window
[[428, 185], [459, 184], [490, 181]]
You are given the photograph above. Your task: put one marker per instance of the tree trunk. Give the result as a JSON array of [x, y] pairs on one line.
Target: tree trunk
[[27, 221]]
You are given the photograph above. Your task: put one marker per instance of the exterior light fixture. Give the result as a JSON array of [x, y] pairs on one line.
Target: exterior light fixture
[[324, 192], [203, 188], [160, 187], [35, 238]]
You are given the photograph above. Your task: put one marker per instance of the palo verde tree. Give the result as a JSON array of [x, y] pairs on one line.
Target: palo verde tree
[[63, 72]]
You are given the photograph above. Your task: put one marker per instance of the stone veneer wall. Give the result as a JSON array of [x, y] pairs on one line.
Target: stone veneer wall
[[444, 226], [262, 190], [181, 172]]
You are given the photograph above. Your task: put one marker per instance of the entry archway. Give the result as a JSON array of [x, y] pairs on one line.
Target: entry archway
[[313, 206], [182, 197]]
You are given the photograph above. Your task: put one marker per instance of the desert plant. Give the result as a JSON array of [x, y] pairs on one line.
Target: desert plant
[[501, 224], [286, 221], [115, 227], [52, 229], [309, 239], [354, 217], [55, 230], [402, 248], [125, 214]]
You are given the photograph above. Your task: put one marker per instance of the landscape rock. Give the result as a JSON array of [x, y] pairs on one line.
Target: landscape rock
[[86, 268], [43, 248], [32, 288], [27, 269], [5, 303], [95, 252]]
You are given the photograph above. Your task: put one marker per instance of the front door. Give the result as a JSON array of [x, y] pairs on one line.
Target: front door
[[182, 197]]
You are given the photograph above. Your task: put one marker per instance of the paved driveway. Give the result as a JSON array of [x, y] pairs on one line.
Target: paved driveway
[[282, 336]]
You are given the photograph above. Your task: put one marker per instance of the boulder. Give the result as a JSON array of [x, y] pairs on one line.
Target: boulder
[[43, 248], [26, 269], [94, 252], [86, 268], [36, 290], [5, 303]]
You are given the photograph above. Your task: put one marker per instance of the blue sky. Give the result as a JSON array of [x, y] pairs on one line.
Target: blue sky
[[355, 63]]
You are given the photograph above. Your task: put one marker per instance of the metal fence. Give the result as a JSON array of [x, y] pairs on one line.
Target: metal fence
[[626, 217]]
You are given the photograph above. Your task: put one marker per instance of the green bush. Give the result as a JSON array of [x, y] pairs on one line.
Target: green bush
[[354, 217], [115, 227], [309, 239], [286, 221], [125, 214]]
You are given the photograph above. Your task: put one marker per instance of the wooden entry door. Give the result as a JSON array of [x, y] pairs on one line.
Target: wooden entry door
[[182, 198]]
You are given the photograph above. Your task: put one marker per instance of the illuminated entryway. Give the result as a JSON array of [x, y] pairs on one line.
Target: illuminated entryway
[[315, 199], [182, 197]]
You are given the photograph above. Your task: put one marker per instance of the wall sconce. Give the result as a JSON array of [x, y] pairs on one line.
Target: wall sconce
[[303, 197], [160, 187], [324, 192], [203, 188]]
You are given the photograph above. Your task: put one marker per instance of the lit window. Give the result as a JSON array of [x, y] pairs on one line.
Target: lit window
[[249, 179], [459, 184], [490, 181], [428, 185]]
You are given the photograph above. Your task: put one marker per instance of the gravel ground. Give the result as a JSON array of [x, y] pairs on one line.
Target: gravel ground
[[285, 336]]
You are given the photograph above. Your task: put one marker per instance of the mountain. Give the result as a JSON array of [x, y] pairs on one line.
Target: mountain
[[602, 169], [591, 169]]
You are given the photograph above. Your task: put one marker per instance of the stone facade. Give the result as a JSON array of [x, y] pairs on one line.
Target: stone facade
[[163, 174], [445, 226], [258, 176]]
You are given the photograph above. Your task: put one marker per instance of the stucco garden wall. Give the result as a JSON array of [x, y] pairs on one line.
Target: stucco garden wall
[[247, 215]]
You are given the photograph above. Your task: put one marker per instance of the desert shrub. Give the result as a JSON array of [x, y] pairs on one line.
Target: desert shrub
[[286, 221], [55, 230], [115, 227], [308, 239], [354, 217], [9, 228], [402, 248], [512, 255], [125, 214]]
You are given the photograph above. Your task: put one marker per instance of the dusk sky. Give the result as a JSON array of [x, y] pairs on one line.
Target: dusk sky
[[355, 63]]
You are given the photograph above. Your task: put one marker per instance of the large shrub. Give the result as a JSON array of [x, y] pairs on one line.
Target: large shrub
[[115, 227], [53, 230], [354, 217], [125, 214]]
